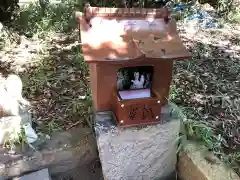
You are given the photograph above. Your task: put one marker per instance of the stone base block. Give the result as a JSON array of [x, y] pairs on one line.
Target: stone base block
[[39, 175], [146, 153], [62, 153], [193, 165]]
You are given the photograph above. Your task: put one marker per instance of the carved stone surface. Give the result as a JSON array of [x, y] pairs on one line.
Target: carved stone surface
[[193, 165], [39, 175], [14, 109], [62, 153], [147, 153]]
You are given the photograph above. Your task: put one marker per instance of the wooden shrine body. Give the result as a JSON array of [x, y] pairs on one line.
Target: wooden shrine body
[[115, 38]]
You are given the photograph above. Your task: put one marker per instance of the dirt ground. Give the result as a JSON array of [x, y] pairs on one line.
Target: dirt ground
[[90, 171], [55, 80]]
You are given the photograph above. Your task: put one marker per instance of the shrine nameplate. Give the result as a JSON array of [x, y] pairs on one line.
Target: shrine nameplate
[[138, 111]]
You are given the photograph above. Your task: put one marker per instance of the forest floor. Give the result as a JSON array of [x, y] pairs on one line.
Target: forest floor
[[41, 45]]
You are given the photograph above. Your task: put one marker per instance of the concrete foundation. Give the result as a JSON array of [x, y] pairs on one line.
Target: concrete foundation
[[147, 153]]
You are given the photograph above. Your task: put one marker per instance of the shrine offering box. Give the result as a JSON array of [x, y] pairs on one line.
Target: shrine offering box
[[130, 53], [138, 111]]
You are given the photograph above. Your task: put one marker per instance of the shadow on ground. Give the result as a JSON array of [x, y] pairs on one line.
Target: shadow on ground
[[208, 86]]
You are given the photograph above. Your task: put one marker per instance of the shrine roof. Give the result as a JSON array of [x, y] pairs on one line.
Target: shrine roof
[[115, 34]]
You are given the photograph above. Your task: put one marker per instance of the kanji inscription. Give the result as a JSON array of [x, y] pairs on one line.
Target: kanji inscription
[[133, 112], [140, 112]]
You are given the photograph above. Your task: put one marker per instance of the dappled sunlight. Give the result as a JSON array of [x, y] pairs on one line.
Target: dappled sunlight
[[26, 37], [208, 86], [127, 38], [41, 46], [22, 55], [50, 64]]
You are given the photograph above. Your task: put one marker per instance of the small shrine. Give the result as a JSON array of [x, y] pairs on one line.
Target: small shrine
[[130, 53]]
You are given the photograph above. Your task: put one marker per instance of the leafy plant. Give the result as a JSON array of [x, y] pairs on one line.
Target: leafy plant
[[41, 18], [7, 8], [172, 93], [50, 127], [234, 15], [15, 137], [224, 7], [203, 133]]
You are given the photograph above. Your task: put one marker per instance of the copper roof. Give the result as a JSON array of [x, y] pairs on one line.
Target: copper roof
[[113, 34]]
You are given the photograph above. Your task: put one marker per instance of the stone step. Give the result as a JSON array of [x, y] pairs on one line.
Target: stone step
[[38, 175], [63, 152]]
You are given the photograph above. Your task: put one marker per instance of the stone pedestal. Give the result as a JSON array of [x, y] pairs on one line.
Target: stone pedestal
[[39, 175], [63, 154], [138, 153]]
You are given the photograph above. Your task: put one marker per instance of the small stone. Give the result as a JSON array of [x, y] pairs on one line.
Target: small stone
[[210, 158], [7, 125], [82, 97], [48, 137], [12, 152], [30, 133], [2, 166], [58, 46]]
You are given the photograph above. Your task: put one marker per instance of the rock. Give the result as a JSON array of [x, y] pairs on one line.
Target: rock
[[11, 96], [30, 133], [207, 7], [13, 108], [39, 175], [91, 171], [62, 153], [9, 126], [13, 85], [8, 105], [193, 165], [138, 153]]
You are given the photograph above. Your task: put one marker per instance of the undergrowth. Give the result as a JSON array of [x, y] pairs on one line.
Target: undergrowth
[[15, 138], [40, 21], [40, 18], [234, 15], [202, 132]]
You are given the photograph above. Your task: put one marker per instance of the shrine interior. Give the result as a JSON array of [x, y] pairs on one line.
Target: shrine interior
[[134, 82]]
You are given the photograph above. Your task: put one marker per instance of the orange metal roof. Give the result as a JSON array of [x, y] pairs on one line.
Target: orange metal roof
[[119, 34]]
